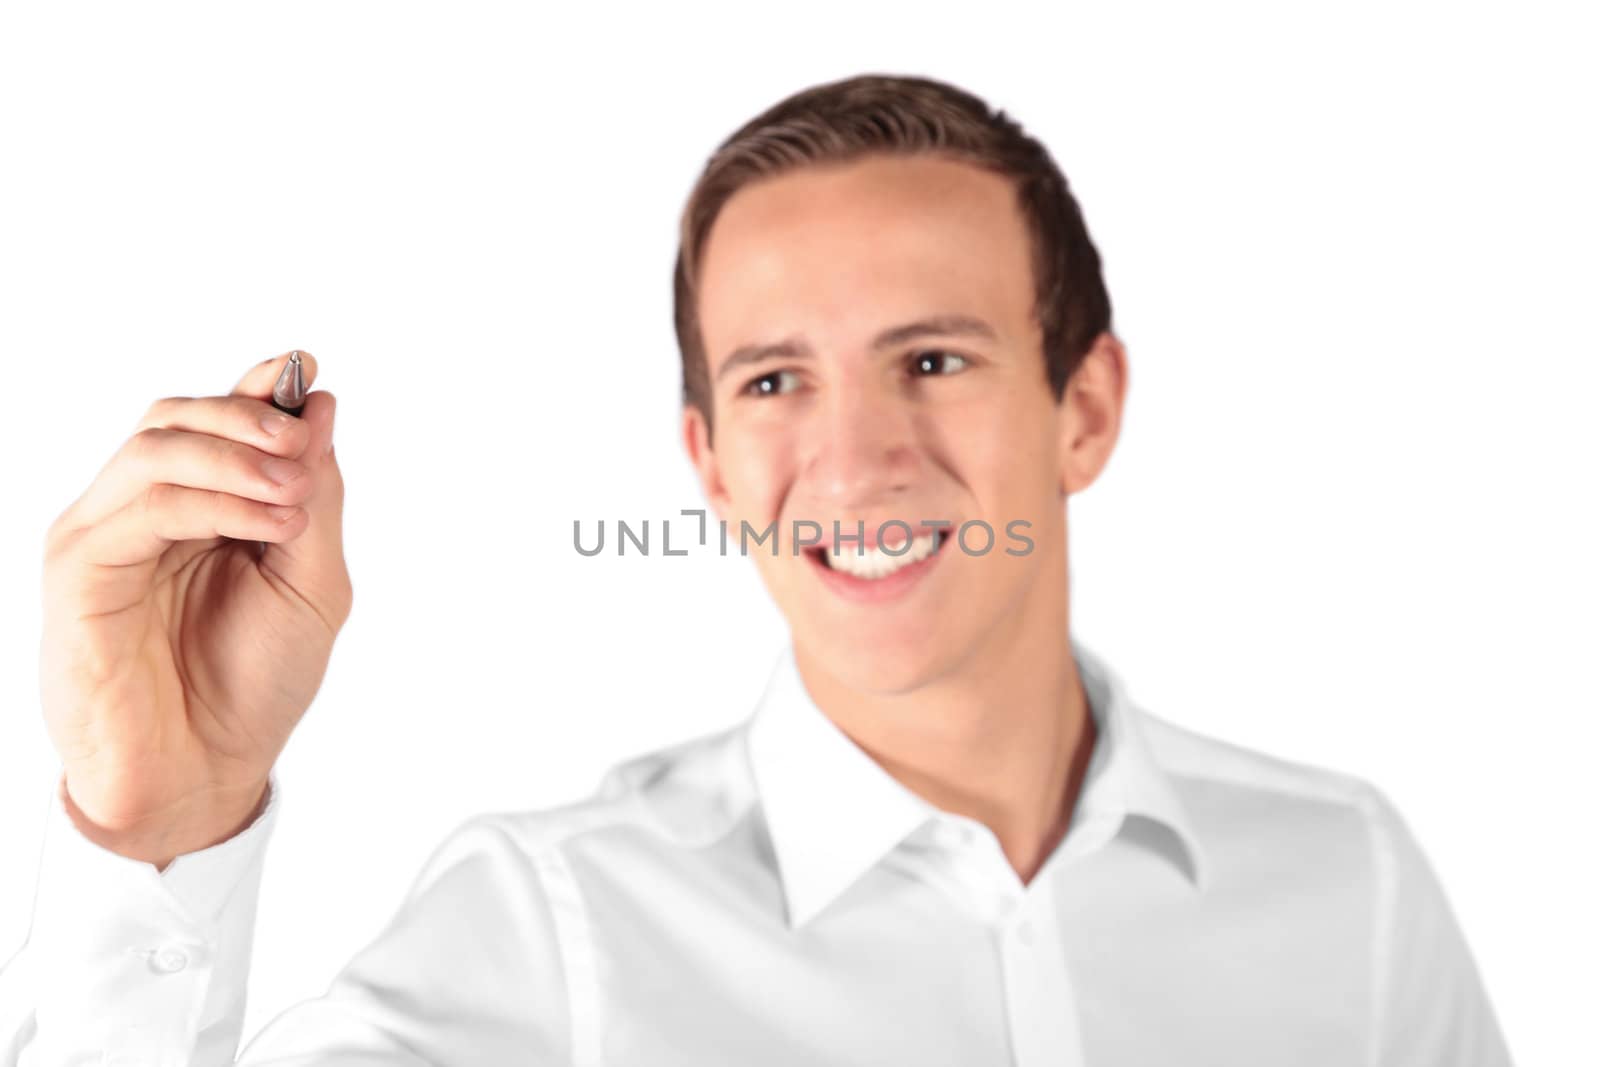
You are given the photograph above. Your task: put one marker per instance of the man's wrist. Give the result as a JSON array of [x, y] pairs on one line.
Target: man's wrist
[[196, 824]]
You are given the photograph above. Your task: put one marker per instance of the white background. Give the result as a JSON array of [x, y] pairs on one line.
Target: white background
[[1351, 520]]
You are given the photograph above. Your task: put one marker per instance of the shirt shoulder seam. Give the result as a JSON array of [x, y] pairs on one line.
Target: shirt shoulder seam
[[1371, 803], [1346, 794], [570, 919], [1318, 783]]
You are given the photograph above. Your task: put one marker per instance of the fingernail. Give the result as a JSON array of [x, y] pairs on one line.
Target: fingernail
[[281, 471], [274, 422]]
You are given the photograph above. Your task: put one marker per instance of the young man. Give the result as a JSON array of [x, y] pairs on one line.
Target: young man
[[945, 836]]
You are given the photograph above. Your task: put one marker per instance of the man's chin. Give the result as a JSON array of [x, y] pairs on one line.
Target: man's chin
[[882, 663]]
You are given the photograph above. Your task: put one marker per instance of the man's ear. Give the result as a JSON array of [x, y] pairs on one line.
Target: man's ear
[[1091, 413], [697, 442]]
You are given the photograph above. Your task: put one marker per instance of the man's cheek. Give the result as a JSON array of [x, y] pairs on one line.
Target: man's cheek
[[760, 488], [753, 513]]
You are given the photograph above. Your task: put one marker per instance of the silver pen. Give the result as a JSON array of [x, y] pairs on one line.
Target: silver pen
[[289, 391]]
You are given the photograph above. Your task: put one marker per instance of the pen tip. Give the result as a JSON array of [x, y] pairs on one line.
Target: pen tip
[[289, 391]]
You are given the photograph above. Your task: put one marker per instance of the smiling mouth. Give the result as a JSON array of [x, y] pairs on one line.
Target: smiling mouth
[[874, 564]]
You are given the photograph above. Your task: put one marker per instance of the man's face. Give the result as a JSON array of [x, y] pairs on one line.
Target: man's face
[[952, 420]]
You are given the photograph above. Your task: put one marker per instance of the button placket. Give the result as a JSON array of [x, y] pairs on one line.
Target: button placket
[[169, 960], [1040, 1000]]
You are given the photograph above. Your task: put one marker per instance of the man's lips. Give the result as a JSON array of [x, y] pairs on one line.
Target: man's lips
[[875, 578], [876, 562], [893, 536], [895, 547]]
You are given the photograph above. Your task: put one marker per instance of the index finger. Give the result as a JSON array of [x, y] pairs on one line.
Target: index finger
[[258, 380]]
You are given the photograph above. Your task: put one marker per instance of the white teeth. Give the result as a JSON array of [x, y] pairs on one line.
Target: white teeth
[[876, 563]]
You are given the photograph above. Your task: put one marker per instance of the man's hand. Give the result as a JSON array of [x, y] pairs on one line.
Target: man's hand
[[192, 595]]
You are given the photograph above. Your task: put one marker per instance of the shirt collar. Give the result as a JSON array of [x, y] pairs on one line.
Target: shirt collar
[[833, 812]]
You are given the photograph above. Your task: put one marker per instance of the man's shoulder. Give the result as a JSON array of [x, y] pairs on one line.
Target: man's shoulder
[[1249, 802], [1266, 820], [1190, 755]]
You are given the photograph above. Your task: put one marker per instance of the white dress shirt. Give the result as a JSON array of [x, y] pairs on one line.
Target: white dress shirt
[[768, 895]]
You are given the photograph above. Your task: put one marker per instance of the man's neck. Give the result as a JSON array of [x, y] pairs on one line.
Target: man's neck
[[1004, 739]]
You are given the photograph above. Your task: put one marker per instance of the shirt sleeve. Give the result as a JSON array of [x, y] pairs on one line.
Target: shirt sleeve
[[1431, 1008], [127, 965], [122, 960], [470, 969]]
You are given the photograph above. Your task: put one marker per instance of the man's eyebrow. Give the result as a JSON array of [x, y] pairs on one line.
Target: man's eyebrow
[[745, 355], [793, 348], [937, 326]]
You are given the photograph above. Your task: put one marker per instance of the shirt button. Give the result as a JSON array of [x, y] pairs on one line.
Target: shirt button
[[169, 961], [1025, 933]]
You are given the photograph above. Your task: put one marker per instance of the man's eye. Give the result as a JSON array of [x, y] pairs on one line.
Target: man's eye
[[937, 361], [779, 381]]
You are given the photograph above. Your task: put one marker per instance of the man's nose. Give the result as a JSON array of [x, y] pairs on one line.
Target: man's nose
[[864, 448]]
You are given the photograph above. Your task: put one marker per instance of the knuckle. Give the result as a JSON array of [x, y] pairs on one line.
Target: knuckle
[[150, 507], [52, 543], [63, 533], [156, 496], [162, 411], [146, 442], [58, 529], [341, 611]]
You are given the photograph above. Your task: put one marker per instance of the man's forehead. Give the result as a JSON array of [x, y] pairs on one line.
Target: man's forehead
[[827, 243], [913, 200]]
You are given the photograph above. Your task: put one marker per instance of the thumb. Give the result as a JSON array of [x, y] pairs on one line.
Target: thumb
[[313, 562]]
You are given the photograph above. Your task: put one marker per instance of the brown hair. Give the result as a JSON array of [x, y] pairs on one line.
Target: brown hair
[[880, 113]]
